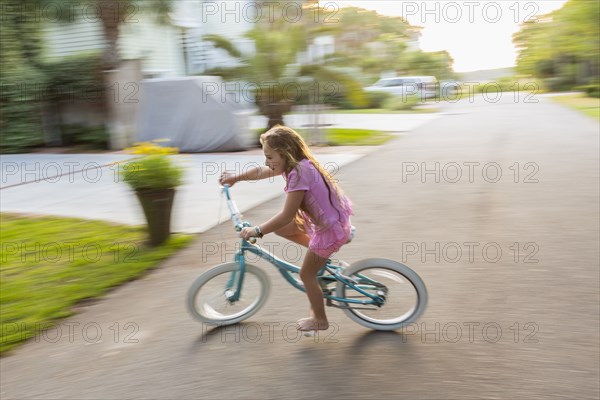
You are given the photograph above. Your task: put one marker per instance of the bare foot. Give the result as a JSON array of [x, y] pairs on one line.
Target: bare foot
[[311, 324]]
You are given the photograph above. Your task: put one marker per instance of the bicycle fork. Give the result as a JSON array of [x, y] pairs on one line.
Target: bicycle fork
[[234, 285]]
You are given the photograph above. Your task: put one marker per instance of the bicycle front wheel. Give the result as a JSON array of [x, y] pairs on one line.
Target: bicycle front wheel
[[210, 300], [404, 292]]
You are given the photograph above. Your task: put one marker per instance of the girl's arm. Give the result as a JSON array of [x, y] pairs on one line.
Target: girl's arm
[[252, 174], [281, 219]]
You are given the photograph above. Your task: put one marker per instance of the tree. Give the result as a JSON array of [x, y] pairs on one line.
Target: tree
[[372, 42], [265, 69], [438, 63], [272, 68], [113, 13], [563, 46], [20, 76], [378, 43], [23, 69]]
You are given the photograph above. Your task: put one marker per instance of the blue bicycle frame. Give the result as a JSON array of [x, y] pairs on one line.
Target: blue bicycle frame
[[359, 282]]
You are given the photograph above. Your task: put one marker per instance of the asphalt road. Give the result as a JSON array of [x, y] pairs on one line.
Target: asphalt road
[[495, 205]]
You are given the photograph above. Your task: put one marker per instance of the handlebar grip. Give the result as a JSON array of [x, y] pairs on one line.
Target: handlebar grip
[[252, 240]]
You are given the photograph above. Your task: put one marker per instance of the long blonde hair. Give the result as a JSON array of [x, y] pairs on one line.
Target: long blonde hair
[[293, 149]]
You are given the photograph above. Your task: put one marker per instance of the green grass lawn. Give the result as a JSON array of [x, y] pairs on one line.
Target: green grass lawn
[[346, 137], [384, 111], [587, 105], [356, 137], [48, 265]]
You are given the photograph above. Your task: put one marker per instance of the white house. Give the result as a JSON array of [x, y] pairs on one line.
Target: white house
[[141, 37], [177, 48], [168, 50]]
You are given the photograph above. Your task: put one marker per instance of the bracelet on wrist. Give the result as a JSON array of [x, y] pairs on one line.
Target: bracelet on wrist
[[258, 231]]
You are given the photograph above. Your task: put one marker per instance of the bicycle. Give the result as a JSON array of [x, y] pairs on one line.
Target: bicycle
[[377, 293]]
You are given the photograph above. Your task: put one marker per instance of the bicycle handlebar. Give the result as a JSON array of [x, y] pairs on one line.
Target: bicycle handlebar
[[236, 216]]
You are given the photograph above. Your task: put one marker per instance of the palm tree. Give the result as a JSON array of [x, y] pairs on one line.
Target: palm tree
[[273, 66], [116, 12], [267, 67], [113, 14]]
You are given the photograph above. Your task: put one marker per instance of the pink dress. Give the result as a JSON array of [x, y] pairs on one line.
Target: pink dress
[[330, 228]]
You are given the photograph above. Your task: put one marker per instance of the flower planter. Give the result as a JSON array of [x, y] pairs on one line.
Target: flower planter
[[154, 176], [157, 205]]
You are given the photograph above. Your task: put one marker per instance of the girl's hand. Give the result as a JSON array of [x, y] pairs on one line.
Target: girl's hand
[[227, 178], [248, 232]]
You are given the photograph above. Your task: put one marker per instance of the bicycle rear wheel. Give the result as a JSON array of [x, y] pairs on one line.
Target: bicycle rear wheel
[[209, 297], [404, 292]]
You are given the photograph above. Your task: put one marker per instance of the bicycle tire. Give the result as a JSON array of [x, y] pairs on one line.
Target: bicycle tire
[[410, 297], [256, 284]]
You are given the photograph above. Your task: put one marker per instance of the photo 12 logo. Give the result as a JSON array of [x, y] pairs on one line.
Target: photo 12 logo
[[270, 11], [74, 92], [16, 173], [54, 252], [265, 332], [60, 11], [472, 11], [472, 331], [250, 92], [470, 252], [211, 170], [469, 171], [291, 252], [88, 332]]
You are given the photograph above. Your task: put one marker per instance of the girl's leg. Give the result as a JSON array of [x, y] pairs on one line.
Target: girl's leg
[[308, 275], [293, 233]]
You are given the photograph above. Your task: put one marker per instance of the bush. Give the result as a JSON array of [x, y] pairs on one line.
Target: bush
[[401, 103], [508, 85], [21, 41], [75, 79], [95, 137], [592, 90], [26, 89], [376, 99], [558, 84], [20, 121], [349, 97]]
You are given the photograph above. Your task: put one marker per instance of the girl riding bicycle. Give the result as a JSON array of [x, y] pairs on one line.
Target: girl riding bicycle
[[316, 213]]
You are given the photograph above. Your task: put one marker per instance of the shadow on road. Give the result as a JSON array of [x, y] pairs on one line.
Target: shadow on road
[[212, 333], [380, 339]]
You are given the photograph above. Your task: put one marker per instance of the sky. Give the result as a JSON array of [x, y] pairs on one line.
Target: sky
[[477, 34]]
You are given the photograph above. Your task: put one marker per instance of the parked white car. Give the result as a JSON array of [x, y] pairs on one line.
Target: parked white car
[[425, 87]]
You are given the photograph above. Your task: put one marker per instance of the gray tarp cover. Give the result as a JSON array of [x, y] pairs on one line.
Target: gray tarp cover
[[192, 113]]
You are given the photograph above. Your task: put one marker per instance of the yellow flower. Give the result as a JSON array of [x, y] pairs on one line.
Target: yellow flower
[[151, 148]]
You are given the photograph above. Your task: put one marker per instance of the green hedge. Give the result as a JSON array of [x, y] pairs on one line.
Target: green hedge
[[20, 117], [26, 89], [592, 90], [400, 103]]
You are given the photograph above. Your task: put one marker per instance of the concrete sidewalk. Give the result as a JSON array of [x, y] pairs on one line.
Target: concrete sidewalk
[[89, 187], [380, 122]]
